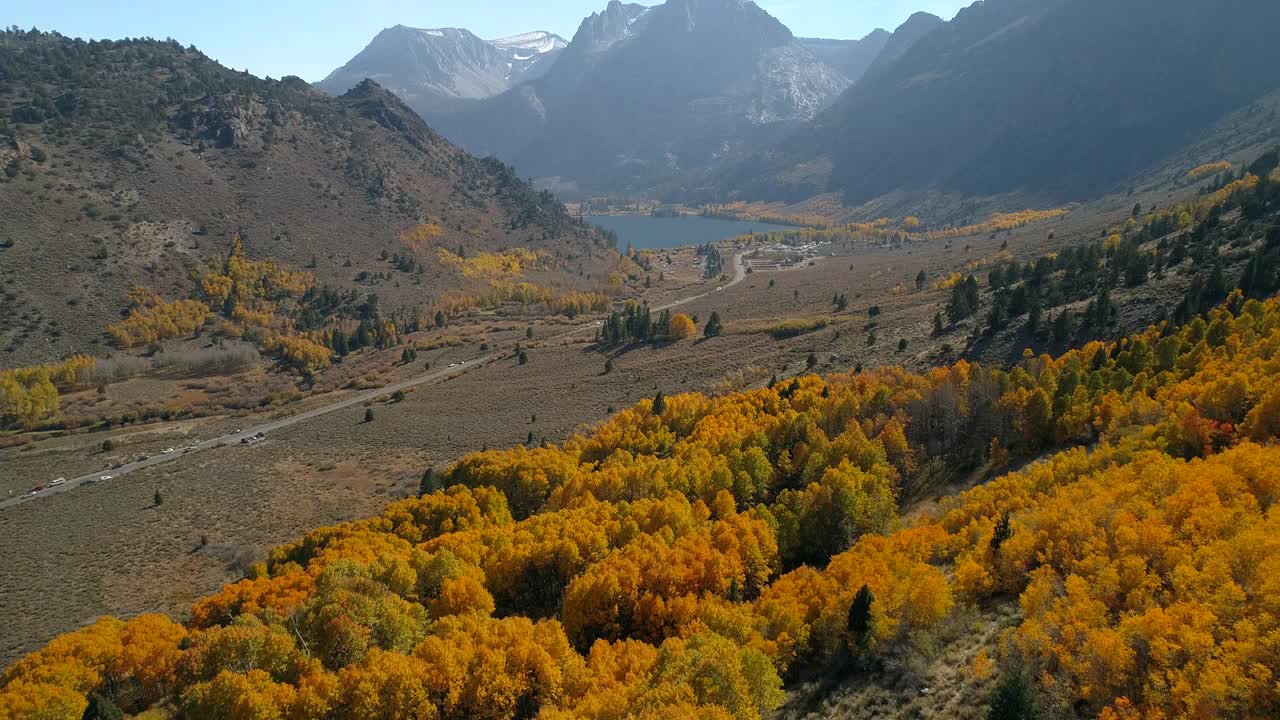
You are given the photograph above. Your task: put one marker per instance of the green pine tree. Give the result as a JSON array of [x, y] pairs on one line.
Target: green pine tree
[[859, 624], [100, 708]]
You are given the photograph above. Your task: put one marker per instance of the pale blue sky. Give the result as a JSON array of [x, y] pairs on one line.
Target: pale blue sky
[[311, 38]]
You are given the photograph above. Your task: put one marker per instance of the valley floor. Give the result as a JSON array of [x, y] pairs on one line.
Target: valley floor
[[109, 550]]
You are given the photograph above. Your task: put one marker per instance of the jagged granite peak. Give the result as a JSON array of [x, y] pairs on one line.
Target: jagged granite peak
[[433, 69], [648, 93], [600, 30]]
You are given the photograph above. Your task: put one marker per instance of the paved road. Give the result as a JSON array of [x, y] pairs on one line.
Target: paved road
[[739, 274], [268, 427]]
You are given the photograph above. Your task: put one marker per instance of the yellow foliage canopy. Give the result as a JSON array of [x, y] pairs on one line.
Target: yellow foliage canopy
[[30, 395], [153, 319], [677, 561], [1211, 168], [419, 237], [682, 327], [507, 265]]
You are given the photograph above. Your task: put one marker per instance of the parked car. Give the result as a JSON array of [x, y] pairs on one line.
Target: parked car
[[105, 478], [90, 481], [166, 451], [59, 481]]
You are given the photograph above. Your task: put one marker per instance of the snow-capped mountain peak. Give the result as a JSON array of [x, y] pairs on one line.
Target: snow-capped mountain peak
[[431, 68]]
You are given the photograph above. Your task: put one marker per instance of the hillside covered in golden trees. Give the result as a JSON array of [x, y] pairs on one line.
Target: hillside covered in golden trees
[[693, 554]]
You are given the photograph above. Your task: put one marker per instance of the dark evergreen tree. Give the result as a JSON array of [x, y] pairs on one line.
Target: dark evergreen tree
[[713, 328], [964, 300], [859, 623], [1013, 700], [1062, 328], [100, 708], [1002, 532]]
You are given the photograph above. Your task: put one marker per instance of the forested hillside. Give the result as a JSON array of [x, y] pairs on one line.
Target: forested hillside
[[132, 162], [694, 555], [1067, 499]]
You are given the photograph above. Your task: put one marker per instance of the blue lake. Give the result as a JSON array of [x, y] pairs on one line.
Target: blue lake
[[646, 233]]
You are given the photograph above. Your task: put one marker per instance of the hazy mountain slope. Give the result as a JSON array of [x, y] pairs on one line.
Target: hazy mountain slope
[[129, 162], [850, 57], [641, 95], [433, 69], [1059, 98], [903, 39]]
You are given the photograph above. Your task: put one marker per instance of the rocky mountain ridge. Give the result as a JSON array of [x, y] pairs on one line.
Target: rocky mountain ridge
[[433, 69]]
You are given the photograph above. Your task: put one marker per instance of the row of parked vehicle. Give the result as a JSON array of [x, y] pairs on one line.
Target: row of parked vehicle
[[39, 488], [106, 478]]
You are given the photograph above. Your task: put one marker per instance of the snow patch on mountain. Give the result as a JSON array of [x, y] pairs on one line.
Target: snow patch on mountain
[[538, 41], [430, 68]]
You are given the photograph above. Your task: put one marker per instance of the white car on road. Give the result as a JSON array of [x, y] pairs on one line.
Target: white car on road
[[104, 478], [59, 481]]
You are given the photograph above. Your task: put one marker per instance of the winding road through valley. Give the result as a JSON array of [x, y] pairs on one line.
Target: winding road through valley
[[739, 273]]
